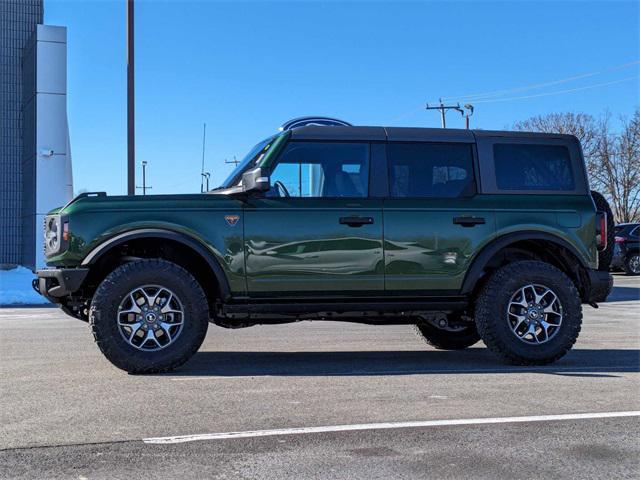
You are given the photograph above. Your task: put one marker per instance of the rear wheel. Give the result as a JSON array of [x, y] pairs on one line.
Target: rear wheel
[[149, 316], [632, 264], [453, 334], [529, 313]]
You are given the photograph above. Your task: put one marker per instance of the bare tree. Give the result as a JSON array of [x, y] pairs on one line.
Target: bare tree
[[626, 165], [612, 159]]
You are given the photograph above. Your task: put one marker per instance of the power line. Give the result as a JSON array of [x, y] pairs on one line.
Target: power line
[[496, 93], [523, 97], [558, 92]]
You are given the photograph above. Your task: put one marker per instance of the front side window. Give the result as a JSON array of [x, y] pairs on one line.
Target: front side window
[[319, 169], [418, 170], [532, 167]]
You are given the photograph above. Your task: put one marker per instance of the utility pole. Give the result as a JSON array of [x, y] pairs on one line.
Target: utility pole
[[131, 136], [202, 173], [443, 111], [144, 187], [235, 161], [469, 108]]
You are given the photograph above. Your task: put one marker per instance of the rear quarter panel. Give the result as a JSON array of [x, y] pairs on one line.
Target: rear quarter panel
[[570, 217]]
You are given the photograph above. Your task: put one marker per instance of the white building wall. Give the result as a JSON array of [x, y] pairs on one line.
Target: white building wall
[[49, 149]]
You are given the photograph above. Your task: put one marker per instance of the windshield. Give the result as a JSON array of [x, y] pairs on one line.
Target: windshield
[[253, 157]]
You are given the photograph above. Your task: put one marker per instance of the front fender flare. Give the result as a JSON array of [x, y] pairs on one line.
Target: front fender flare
[[95, 254]]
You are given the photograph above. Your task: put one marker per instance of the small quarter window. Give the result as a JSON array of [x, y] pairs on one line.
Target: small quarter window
[[532, 167]]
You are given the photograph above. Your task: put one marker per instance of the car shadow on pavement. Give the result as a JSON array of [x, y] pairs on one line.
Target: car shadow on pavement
[[368, 363], [623, 294]]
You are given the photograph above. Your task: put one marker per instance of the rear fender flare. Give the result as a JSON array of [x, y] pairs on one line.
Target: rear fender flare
[[484, 257]]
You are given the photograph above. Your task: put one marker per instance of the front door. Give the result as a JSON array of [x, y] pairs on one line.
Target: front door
[[316, 232], [433, 221]]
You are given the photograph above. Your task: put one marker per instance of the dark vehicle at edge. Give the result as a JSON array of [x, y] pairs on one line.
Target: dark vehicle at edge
[[626, 252]]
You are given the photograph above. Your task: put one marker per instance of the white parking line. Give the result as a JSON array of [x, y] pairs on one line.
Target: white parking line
[[385, 426]]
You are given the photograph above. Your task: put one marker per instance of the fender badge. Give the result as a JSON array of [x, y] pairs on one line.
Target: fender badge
[[232, 219]]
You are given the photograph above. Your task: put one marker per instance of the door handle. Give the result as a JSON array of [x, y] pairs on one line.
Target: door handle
[[356, 221], [468, 221]]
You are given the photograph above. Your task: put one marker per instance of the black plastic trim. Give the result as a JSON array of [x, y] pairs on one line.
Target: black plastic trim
[[195, 245], [600, 285], [435, 304], [54, 283]]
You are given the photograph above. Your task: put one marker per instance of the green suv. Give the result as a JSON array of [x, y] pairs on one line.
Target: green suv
[[467, 235]]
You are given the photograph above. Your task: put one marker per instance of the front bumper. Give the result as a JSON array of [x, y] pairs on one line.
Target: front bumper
[[600, 285], [55, 283]]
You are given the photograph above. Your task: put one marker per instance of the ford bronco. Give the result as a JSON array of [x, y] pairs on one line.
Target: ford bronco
[[465, 234]]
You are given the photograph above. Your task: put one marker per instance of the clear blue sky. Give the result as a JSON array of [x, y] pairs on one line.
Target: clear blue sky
[[244, 68]]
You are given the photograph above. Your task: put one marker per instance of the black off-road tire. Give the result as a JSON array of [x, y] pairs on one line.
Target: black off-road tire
[[448, 340], [491, 313], [629, 264], [109, 295], [606, 255]]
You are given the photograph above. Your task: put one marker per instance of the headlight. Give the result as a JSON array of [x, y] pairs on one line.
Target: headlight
[[52, 235]]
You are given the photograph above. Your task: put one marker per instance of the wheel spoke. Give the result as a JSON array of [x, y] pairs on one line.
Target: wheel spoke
[[134, 305], [532, 331], [523, 298], [150, 298], [545, 328], [134, 328], [166, 327], [151, 336], [520, 320]]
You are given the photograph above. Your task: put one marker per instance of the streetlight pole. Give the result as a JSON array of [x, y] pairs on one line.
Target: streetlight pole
[[144, 187], [469, 113], [131, 137]]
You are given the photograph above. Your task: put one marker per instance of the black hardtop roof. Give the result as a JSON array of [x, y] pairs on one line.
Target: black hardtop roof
[[410, 134]]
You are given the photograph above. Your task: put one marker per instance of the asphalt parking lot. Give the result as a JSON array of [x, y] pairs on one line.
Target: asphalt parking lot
[[67, 413]]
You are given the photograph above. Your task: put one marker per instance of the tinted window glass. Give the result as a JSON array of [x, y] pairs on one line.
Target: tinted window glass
[[308, 169], [532, 167], [430, 170]]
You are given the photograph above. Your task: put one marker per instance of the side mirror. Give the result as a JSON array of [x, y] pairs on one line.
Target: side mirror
[[255, 180]]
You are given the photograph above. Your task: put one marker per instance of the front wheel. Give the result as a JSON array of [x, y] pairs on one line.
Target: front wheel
[[529, 313], [149, 316]]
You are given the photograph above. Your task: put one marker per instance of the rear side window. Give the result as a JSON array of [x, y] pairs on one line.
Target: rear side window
[[435, 170], [532, 167]]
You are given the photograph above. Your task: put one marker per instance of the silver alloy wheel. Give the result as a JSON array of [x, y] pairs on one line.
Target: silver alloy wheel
[[634, 264], [150, 317], [534, 314]]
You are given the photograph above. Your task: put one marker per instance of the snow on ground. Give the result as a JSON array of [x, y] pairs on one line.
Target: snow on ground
[[15, 287]]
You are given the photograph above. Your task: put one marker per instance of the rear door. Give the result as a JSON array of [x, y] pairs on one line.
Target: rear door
[[316, 233], [434, 222]]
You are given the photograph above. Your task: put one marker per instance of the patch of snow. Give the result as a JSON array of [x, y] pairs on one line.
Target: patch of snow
[[16, 289]]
